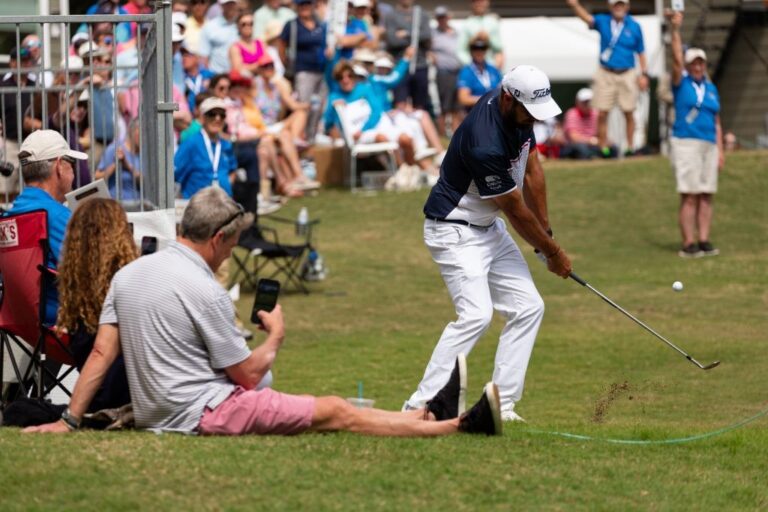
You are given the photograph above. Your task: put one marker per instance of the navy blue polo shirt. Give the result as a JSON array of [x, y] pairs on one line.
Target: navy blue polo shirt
[[485, 159], [310, 45]]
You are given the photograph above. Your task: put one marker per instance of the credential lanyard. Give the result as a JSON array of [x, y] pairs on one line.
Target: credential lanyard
[[616, 28], [700, 89], [194, 85], [482, 76], [214, 155]]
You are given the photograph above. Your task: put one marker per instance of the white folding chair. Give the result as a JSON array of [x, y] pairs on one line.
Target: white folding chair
[[357, 150]]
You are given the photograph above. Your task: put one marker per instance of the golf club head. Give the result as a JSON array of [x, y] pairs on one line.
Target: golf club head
[[710, 366]]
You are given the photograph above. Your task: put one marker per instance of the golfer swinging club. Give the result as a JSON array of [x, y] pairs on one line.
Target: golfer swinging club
[[491, 166]]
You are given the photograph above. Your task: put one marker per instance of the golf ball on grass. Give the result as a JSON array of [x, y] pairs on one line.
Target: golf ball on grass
[[677, 286]]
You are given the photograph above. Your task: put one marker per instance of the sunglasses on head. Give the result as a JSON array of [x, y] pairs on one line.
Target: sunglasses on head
[[240, 211]]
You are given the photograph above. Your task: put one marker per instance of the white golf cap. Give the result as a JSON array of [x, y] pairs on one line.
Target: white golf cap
[[213, 104], [364, 55], [179, 18], [176, 35], [75, 63], [84, 96], [360, 70], [691, 54], [584, 94], [530, 86], [45, 145], [89, 49], [611, 2], [383, 62], [360, 3], [78, 37], [222, 2]]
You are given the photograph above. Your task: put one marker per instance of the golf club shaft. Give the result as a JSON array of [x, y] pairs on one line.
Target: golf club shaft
[[582, 282]]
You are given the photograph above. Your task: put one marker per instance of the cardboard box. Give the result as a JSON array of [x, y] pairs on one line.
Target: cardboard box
[[330, 164]]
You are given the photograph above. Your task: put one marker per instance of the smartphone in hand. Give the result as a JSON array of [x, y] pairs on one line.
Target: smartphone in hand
[[267, 291], [148, 245]]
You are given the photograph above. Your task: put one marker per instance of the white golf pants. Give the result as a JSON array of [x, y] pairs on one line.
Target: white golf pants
[[483, 270]]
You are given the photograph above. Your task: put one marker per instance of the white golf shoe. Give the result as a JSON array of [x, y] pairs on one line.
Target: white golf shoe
[[508, 414]]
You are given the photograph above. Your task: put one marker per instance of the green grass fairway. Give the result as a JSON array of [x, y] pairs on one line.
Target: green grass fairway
[[594, 372]]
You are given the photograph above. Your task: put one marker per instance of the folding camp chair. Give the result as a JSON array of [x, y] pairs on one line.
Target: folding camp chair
[[24, 282], [357, 150], [286, 258]]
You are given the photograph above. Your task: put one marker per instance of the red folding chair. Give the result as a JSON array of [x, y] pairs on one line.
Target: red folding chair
[[24, 281]]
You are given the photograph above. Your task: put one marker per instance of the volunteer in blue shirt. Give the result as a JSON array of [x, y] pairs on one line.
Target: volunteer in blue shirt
[[47, 165], [696, 144], [491, 167], [616, 82], [479, 76], [205, 158]]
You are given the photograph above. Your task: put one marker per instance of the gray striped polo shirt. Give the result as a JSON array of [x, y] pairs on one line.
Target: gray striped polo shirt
[[177, 334]]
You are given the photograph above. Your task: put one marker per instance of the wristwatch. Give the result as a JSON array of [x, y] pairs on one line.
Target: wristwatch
[[71, 422]]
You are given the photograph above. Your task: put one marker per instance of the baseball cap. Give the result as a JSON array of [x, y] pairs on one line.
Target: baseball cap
[[383, 62], [222, 2], [584, 94], [364, 55], [530, 86], [691, 54], [238, 79], [79, 37], [176, 35], [42, 145], [360, 70], [441, 10], [89, 49], [265, 59], [361, 3], [273, 29], [611, 2], [75, 63], [179, 18], [213, 104]]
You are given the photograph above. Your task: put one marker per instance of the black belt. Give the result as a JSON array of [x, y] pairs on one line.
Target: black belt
[[616, 71], [461, 222]]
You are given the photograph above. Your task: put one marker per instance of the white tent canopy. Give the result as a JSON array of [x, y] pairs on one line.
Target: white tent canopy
[[565, 48]]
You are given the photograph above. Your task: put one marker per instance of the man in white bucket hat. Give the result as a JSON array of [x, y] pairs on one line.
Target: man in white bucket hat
[[491, 166]]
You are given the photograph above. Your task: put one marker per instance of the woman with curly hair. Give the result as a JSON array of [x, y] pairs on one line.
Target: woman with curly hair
[[97, 244]]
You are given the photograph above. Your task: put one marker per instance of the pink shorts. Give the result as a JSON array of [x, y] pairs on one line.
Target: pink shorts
[[259, 412]]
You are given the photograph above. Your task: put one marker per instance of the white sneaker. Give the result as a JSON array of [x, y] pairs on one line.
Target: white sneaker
[[508, 414], [267, 208]]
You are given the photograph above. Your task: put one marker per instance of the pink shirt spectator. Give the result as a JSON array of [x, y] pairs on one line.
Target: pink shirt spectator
[[578, 123]]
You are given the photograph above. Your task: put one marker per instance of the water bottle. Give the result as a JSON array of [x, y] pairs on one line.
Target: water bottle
[[314, 117], [302, 221]]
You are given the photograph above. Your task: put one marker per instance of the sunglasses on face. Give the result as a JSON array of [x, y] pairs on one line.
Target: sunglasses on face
[[71, 161], [216, 115], [246, 23], [222, 87]]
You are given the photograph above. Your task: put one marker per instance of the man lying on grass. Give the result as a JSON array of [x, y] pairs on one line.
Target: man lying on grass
[[189, 370]]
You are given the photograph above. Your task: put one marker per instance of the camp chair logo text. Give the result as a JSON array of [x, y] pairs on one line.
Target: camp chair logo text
[[9, 233]]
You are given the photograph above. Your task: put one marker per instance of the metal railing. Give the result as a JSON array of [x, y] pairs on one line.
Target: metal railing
[[116, 89]]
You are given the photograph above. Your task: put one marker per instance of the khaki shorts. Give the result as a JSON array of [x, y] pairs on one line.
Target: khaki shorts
[[695, 164], [615, 88]]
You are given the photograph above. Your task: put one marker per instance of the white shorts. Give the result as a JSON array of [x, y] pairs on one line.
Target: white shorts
[[695, 164]]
